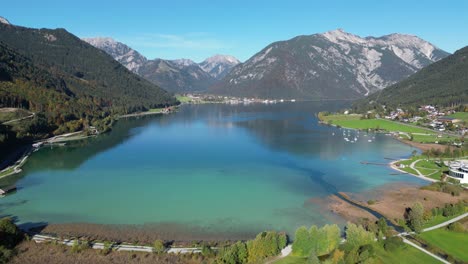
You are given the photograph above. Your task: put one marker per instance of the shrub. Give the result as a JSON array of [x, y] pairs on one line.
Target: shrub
[[456, 227], [158, 246], [371, 202], [393, 243], [9, 233], [79, 245], [207, 251]]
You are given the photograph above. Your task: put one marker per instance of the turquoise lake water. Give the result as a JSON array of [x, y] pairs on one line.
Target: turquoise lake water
[[221, 168]]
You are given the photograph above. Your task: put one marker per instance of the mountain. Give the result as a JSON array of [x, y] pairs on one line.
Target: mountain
[[219, 66], [4, 21], [122, 53], [177, 76], [331, 65], [442, 83], [67, 81]]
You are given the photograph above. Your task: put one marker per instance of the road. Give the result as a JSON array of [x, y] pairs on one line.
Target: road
[[425, 251], [19, 119]]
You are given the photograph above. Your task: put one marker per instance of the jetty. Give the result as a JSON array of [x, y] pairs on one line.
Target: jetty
[[5, 190]]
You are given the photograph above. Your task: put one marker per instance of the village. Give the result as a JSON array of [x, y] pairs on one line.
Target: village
[[444, 121]]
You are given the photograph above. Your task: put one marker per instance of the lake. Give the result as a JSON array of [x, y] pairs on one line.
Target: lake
[[231, 169]]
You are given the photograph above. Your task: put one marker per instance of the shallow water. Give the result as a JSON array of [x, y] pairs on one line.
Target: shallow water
[[221, 168]]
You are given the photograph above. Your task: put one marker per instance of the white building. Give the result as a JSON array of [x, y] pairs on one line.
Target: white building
[[459, 170]]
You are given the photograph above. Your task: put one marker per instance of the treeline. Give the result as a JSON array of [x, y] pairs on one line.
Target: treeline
[[265, 245], [416, 216], [10, 236], [326, 245]]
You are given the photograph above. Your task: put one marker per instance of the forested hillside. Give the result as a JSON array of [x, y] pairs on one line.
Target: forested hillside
[[68, 83]]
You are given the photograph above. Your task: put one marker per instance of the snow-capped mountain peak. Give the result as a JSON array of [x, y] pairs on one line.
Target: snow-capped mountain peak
[[120, 52], [4, 21], [183, 62], [219, 65], [333, 65]]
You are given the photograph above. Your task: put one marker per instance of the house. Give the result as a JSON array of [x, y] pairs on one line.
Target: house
[[448, 120], [459, 170]]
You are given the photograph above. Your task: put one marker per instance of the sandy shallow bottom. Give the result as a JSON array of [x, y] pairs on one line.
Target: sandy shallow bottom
[[392, 199]]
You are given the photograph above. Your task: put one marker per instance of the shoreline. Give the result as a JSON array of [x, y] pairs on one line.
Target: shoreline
[[17, 164]]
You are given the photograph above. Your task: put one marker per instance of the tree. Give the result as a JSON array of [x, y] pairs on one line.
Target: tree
[[10, 235], [303, 243], [328, 240], [357, 236], [416, 217], [265, 244], [382, 225]]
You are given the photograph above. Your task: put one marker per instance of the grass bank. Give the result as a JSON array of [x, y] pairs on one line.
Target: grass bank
[[453, 243], [411, 132]]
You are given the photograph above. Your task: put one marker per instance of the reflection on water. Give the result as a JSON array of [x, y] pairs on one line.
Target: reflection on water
[[218, 167]]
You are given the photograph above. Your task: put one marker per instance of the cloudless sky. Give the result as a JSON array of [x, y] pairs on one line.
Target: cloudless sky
[[197, 29]]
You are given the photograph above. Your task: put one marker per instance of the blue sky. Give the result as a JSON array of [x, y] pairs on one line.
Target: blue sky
[[198, 29]]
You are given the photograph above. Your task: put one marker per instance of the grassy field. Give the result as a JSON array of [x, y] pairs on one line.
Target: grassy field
[[427, 167], [292, 260], [438, 219], [460, 115], [156, 110], [354, 121], [405, 255], [183, 99], [7, 114], [452, 243]]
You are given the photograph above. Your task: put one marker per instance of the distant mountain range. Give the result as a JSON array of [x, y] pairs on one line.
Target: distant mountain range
[[176, 76], [443, 83], [332, 65]]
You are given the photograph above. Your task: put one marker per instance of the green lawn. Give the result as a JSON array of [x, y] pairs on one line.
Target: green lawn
[[437, 220], [183, 99], [460, 115], [156, 110], [452, 243], [292, 260], [405, 255], [354, 121], [433, 138]]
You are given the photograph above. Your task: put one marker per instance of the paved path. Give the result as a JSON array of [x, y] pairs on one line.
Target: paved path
[[416, 170], [425, 251], [19, 119], [448, 222], [453, 220], [121, 247]]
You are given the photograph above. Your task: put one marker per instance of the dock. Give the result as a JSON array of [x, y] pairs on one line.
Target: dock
[[6, 190]]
